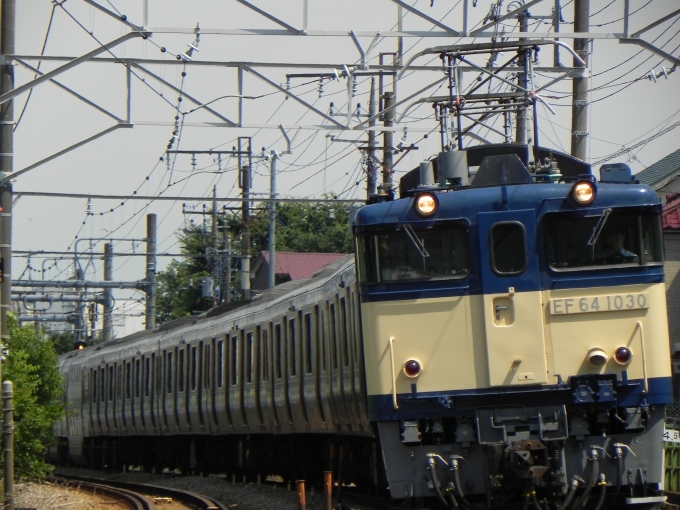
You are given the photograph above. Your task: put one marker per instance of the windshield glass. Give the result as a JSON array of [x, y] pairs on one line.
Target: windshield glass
[[435, 253], [625, 238]]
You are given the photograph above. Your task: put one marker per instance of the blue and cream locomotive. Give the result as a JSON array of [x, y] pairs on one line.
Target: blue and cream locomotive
[[515, 332]]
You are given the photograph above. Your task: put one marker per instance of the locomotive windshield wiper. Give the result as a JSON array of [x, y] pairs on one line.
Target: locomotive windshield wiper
[[414, 239], [600, 225]]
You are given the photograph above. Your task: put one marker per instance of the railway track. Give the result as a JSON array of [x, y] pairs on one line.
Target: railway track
[[133, 493]]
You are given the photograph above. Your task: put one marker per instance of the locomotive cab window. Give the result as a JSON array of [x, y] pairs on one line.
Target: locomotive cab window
[[508, 248], [609, 239], [413, 253]]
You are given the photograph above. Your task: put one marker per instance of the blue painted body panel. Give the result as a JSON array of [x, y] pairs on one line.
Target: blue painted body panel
[[443, 404], [535, 201]]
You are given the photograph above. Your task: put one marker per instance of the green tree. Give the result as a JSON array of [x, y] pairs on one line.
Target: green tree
[[33, 368], [300, 227]]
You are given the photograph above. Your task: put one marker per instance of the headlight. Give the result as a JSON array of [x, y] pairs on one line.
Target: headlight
[[426, 204], [597, 357], [583, 192]]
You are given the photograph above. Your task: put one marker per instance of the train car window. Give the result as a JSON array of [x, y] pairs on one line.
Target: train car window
[[168, 378], [309, 338], [234, 360], [508, 248], [159, 375], [147, 377], [345, 330], [625, 239], [111, 378], [292, 337], [334, 336], [220, 363], [180, 370], [279, 351], [249, 357], [138, 378], [323, 337], [194, 367], [439, 252], [119, 381], [95, 377], [102, 385], [208, 368], [128, 380], [265, 355]]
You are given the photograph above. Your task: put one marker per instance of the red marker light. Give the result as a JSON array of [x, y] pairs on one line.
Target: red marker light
[[623, 355], [412, 368]]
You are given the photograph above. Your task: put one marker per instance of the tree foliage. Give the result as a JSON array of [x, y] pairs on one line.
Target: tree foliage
[[33, 368], [300, 227]]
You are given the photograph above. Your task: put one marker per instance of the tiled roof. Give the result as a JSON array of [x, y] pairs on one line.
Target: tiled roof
[[662, 172], [301, 265]]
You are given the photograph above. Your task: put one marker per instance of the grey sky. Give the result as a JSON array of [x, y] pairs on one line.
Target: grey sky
[[120, 162]]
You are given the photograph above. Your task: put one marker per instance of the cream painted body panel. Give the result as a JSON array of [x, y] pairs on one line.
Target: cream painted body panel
[[514, 338], [436, 332], [571, 336], [462, 343]]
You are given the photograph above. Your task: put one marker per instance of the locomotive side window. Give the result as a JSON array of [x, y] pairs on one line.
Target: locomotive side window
[[265, 354], [345, 332], [95, 376], [412, 253], [102, 386], [508, 248], [599, 241]]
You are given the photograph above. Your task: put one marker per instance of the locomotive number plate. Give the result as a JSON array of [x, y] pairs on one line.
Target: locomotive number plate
[[671, 436], [609, 303]]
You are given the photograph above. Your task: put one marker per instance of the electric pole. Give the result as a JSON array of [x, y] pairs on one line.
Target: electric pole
[[388, 137], [371, 165], [522, 80], [7, 20], [150, 271], [579, 111]]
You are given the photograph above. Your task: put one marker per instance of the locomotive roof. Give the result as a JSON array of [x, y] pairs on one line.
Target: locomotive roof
[[542, 197]]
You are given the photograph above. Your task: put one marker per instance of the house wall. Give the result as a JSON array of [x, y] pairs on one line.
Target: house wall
[[672, 270], [668, 189]]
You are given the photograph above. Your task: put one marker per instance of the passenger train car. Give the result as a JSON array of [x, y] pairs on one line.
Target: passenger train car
[[502, 341]]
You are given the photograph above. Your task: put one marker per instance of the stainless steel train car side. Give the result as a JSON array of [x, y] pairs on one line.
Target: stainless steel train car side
[[290, 362]]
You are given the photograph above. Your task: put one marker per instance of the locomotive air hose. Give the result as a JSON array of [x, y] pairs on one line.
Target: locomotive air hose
[[534, 501], [591, 483], [603, 492], [451, 497], [573, 487], [459, 491], [435, 481], [619, 475]]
